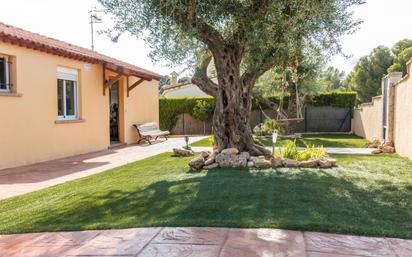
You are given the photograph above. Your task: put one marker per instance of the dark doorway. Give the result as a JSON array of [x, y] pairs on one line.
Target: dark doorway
[[114, 113]]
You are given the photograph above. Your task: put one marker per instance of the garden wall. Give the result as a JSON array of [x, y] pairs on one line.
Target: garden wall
[[389, 119], [402, 129], [367, 120], [317, 119]]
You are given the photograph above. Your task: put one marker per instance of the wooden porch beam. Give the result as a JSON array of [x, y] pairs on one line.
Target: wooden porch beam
[[130, 88], [104, 79], [113, 80]]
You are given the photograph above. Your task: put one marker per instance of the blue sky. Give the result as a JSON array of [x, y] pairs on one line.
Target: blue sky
[[385, 22]]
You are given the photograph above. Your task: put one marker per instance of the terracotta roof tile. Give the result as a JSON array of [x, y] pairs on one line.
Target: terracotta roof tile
[[17, 36]]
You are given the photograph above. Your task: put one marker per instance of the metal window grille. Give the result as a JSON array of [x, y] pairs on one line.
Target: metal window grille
[[5, 74]]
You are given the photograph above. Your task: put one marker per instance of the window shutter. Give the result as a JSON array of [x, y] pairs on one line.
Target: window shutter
[[66, 74]]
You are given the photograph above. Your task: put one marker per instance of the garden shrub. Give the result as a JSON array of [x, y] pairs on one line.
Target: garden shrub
[[290, 151], [334, 99], [203, 111]]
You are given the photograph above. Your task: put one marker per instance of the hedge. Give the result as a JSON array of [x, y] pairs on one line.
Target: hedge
[[170, 108], [335, 99]]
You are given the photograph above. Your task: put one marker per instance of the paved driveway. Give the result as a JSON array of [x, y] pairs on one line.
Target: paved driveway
[[200, 242], [21, 180]]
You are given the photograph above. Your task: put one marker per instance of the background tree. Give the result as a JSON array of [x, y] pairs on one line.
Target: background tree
[[331, 79], [183, 79], [401, 45], [244, 38], [400, 61], [367, 75], [164, 81]]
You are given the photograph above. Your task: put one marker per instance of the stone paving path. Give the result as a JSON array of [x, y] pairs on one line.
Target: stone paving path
[[200, 242], [24, 179]]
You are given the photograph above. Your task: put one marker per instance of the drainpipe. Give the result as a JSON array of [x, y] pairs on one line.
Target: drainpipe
[[389, 116]]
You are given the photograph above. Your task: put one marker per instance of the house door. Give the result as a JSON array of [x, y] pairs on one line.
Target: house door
[[114, 112]]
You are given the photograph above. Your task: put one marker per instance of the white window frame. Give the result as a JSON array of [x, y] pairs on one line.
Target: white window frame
[[7, 73], [65, 74]]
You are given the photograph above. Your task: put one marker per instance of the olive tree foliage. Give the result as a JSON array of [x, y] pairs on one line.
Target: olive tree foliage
[[245, 38], [309, 71]]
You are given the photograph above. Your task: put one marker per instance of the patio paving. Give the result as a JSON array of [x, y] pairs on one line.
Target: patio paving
[[24, 179], [200, 242]]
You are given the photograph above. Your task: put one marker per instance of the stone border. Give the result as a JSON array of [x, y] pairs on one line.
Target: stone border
[[232, 158]]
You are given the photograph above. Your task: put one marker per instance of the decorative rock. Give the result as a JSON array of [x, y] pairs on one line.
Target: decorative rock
[[291, 163], [211, 166], [309, 163], [181, 152], [376, 151], [197, 163], [260, 162], [210, 160], [230, 151], [257, 158], [376, 143], [239, 161], [388, 149], [229, 160], [205, 154], [325, 162], [277, 162], [246, 155], [223, 160], [250, 164]]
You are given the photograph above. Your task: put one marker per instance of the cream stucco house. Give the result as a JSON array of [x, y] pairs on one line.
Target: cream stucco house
[[57, 99]]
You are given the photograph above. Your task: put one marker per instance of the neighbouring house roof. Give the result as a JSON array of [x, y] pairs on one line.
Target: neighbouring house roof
[[24, 38], [170, 88]]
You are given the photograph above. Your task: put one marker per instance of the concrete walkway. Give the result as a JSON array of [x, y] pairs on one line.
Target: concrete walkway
[[21, 180], [200, 242], [329, 150]]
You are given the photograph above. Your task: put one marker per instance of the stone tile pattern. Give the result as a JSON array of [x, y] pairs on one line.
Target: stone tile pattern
[[200, 242]]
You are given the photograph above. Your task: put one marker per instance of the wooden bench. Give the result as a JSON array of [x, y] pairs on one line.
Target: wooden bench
[[149, 131]]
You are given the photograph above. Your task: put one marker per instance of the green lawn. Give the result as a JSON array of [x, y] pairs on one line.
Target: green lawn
[[365, 195], [327, 140]]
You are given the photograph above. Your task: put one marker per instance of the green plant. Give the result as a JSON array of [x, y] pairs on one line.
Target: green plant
[[203, 111], [290, 151], [312, 152]]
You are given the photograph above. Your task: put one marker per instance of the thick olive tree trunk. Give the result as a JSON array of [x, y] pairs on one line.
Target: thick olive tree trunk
[[231, 119]]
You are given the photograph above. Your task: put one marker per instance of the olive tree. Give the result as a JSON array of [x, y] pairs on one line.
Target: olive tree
[[244, 38]]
